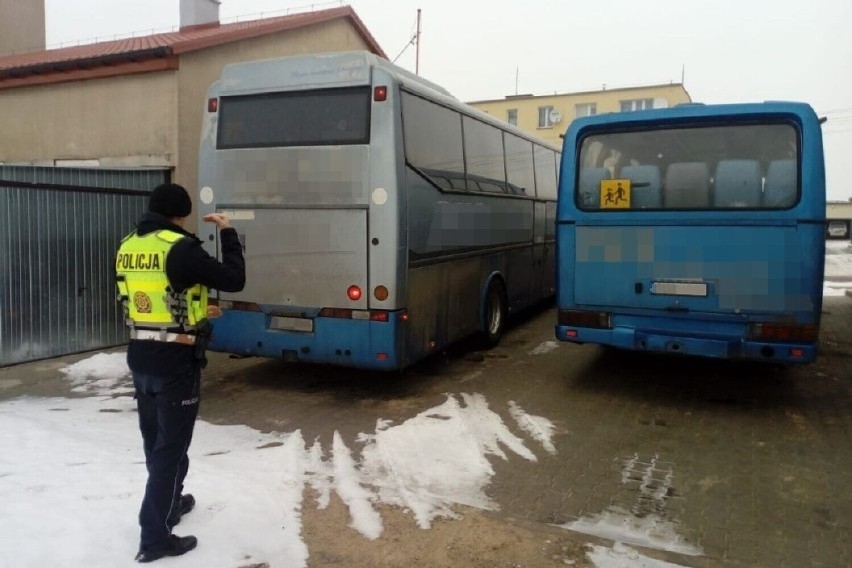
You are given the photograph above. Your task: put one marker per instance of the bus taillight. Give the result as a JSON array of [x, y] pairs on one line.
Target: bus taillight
[[380, 94], [380, 293], [212, 104], [805, 333], [354, 293], [342, 313], [378, 315]]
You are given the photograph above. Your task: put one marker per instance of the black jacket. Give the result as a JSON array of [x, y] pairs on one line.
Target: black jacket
[[186, 265]]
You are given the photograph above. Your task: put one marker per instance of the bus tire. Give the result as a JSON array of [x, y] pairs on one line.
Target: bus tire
[[494, 316]]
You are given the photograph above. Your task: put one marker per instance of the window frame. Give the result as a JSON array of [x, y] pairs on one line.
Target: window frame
[[780, 121], [512, 114], [363, 91], [474, 179], [592, 107], [645, 103], [547, 122]]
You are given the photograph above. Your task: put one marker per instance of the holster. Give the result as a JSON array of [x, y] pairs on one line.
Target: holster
[[202, 339]]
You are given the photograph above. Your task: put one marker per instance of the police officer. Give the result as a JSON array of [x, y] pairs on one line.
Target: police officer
[[163, 277]]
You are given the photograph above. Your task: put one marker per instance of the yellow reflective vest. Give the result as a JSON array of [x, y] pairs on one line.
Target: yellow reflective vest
[[144, 289]]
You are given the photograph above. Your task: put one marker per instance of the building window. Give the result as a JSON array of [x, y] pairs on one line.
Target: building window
[[545, 114], [512, 116], [636, 104], [585, 109]]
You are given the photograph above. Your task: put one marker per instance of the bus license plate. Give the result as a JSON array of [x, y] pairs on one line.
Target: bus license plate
[[679, 288], [292, 324]]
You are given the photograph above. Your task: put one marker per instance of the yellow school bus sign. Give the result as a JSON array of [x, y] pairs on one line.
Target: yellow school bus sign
[[615, 194]]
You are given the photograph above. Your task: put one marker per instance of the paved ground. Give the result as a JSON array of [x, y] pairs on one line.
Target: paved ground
[[718, 464]]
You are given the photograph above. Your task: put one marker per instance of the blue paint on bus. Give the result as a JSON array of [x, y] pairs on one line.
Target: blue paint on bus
[[717, 247], [338, 341]]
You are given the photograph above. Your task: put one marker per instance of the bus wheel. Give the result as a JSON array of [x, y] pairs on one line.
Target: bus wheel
[[495, 313]]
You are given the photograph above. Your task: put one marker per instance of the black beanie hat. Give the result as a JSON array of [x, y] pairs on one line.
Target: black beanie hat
[[170, 200]]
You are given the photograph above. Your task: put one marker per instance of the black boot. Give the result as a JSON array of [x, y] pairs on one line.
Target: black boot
[[183, 506], [174, 546]]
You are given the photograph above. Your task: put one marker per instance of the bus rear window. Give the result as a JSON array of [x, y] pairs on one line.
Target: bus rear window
[[301, 118], [735, 166]]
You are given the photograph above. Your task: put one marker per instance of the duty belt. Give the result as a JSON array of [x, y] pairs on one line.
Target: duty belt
[[165, 336]]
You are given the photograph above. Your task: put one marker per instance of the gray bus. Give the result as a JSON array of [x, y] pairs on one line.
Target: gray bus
[[381, 218]]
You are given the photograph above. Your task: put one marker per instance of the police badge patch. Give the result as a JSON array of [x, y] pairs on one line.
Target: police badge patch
[[142, 302]]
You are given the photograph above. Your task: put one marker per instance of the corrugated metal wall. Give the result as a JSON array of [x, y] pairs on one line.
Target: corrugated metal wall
[[59, 233]]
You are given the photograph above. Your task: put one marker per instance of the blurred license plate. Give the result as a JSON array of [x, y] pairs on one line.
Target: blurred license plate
[[679, 288], [291, 324]]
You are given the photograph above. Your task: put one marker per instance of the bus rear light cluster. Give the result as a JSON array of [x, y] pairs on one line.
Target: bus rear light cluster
[[800, 333], [582, 318], [346, 313], [380, 94], [354, 293], [212, 105], [380, 293]]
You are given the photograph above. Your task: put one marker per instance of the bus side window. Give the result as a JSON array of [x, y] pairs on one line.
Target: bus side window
[[590, 186], [737, 184], [687, 186], [646, 191], [779, 189]]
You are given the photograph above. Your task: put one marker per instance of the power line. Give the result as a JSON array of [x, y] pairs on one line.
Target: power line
[[410, 42]]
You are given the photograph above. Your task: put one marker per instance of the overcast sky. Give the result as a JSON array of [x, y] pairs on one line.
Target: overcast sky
[[726, 50]]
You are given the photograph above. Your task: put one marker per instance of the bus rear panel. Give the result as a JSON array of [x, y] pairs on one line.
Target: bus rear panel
[[696, 230], [286, 153]]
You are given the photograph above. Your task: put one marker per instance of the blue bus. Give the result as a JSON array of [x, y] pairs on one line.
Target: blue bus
[[697, 230], [381, 218]]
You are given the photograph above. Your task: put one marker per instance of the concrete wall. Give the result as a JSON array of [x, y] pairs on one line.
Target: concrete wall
[[605, 101], [21, 26], [121, 121], [199, 69]]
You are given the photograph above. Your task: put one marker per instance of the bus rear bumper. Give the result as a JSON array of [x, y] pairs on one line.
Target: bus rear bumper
[[716, 346], [362, 344]]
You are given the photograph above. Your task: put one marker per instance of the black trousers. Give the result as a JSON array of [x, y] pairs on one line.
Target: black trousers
[[168, 406]]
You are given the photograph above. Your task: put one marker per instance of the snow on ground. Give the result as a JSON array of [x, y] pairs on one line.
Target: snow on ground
[[835, 288], [439, 458], [72, 475], [838, 268], [647, 523], [102, 374], [545, 347], [621, 556], [539, 427], [620, 525]]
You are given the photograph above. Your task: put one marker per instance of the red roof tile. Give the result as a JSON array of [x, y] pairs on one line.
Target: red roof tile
[[166, 44]]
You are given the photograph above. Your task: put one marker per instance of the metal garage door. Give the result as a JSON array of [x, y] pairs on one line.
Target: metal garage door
[[59, 233]]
